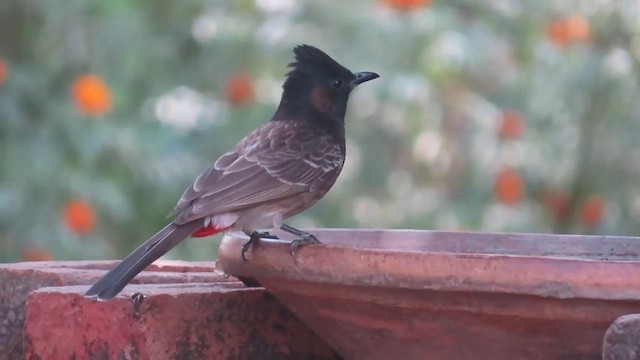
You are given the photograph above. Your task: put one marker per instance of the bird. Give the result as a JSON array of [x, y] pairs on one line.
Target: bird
[[280, 169]]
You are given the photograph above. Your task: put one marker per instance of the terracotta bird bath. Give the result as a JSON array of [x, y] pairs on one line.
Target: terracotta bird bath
[[403, 294]]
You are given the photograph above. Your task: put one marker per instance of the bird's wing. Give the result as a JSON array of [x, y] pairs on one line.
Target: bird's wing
[[276, 161]]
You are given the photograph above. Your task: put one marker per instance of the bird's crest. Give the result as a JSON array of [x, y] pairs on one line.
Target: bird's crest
[[310, 59]]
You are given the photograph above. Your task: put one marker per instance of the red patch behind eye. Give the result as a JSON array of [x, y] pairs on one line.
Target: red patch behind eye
[[320, 100]]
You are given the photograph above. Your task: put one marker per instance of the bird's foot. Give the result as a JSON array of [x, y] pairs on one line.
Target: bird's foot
[[306, 239], [253, 238], [267, 235]]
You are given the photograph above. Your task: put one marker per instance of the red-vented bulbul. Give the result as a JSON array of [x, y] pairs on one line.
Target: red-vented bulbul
[[280, 169]]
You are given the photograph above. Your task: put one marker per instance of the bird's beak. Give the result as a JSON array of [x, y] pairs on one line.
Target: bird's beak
[[363, 76]]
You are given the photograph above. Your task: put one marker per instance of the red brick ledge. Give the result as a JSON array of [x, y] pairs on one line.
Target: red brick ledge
[[188, 312]]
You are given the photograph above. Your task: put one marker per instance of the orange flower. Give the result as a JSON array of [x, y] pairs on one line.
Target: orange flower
[[78, 216], [239, 89], [91, 95], [406, 5], [3, 71], [511, 124], [591, 211], [509, 186], [557, 202], [558, 33], [577, 27], [35, 254], [574, 28]]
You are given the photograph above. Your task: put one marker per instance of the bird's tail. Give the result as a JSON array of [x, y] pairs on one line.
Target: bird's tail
[[115, 280]]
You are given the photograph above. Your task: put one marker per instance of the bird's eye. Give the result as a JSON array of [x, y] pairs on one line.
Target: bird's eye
[[337, 84]]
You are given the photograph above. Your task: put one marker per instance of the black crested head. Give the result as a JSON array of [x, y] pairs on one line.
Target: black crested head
[[317, 88]]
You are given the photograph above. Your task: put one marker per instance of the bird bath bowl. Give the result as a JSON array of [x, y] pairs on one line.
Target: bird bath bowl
[[404, 294]]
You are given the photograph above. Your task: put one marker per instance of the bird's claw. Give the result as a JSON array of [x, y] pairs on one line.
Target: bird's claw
[[307, 239], [253, 238], [267, 235], [247, 245]]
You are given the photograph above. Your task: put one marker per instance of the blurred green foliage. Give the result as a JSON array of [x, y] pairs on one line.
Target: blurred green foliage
[[424, 142]]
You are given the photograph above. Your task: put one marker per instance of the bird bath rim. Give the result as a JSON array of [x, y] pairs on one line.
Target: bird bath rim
[[549, 265]]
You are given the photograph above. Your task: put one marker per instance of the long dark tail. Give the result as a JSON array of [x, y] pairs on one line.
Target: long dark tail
[[115, 280]]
